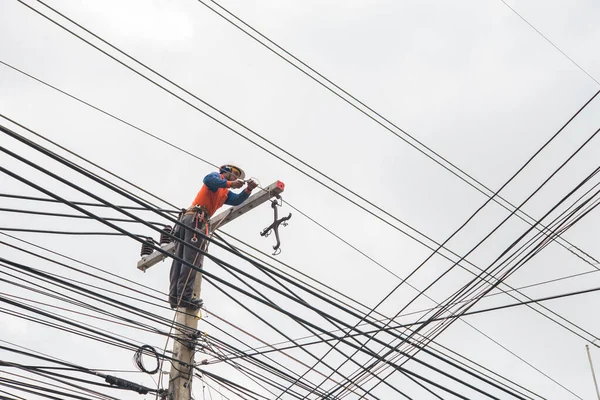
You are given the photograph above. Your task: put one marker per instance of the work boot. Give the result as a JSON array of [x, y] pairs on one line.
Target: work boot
[[192, 304]]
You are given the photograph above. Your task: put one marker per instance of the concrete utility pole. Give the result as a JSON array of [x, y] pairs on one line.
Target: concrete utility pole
[[181, 375]]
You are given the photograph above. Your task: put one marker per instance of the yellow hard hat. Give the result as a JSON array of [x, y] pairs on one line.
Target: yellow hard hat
[[234, 169]]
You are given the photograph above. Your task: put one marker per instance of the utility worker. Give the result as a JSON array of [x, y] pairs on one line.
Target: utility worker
[[212, 195]]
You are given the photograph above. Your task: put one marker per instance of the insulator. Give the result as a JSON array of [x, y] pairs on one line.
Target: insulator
[[164, 238], [147, 247]]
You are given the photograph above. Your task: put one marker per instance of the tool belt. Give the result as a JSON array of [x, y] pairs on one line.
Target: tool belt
[[201, 219], [197, 209]]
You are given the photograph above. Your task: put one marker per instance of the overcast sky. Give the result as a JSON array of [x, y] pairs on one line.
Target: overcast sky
[[469, 79]]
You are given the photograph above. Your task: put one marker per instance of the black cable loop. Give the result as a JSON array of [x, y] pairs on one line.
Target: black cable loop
[[139, 362]]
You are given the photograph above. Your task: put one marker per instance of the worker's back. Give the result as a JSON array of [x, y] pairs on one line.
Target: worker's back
[[210, 200]]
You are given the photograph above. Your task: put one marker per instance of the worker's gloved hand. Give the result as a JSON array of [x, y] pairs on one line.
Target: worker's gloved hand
[[251, 185], [237, 184]]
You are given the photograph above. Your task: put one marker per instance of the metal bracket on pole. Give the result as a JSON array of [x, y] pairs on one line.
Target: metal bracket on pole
[[274, 227], [219, 220]]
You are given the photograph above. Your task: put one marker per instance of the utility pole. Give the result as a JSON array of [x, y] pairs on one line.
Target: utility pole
[[592, 368], [186, 328]]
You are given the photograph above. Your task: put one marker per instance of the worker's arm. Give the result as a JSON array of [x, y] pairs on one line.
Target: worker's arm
[[235, 199], [214, 181]]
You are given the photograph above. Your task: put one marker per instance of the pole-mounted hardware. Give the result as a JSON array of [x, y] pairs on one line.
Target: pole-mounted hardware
[[186, 342], [151, 257], [275, 225]]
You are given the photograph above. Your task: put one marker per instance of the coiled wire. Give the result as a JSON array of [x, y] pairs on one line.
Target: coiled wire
[[139, 362]]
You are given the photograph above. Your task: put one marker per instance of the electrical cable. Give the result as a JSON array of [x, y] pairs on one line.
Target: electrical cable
[[50, 214], [193, 155], [111, 116], [489, 234], [95, 338], [86, 391], [524, 302], [327, 319], [534, 252], [546, 244], [68, 183], [105, 170], [37, 390], [227, 381], [529, 230], [549, 41], [254, 376], [233, 130], [214, 165], [256, 362], [494, 341], [105, 222], [52, 232], [38, 274], [240, 356], [88, 274], [120, 383], [538, 311], [53, 279], [113, 275], [79, 203], [241, 304], [209, 279], [331, 84], [67, 322], [505, 306], [296, 296], [139, 362], [406, 396], [73, 311], [10, 398], [228, 127], [570, 248]]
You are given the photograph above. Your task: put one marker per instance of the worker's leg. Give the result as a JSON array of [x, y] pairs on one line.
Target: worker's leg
[[179, 233], [188, 290], [174, 275], [187, 275]]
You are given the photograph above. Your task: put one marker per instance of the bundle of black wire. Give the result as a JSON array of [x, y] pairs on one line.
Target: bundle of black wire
[[139, 362]]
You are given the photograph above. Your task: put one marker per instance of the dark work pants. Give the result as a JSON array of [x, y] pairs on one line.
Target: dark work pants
[[182, 277]]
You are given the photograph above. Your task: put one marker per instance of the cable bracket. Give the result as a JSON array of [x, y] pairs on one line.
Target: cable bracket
[[274, 227]]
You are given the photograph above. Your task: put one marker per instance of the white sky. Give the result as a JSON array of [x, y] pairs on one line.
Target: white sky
[[469, 79]]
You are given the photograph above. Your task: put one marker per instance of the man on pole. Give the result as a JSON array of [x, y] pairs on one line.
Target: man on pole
[[212, 195]]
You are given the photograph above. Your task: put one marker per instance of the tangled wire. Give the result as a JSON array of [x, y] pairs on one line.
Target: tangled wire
[[139, 362]]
